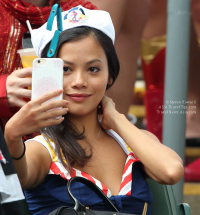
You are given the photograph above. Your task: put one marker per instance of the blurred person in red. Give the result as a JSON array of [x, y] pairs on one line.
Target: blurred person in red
[[153, 62]]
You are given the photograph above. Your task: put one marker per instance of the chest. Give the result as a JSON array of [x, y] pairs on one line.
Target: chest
[[107, 165]]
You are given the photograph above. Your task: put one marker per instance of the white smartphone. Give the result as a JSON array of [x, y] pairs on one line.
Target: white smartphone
[[47, 76]]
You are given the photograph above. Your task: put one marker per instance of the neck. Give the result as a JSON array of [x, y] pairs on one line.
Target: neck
[[89, 122]]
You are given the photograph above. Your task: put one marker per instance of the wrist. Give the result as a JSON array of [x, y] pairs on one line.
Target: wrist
[[14, 142], [117, 121], [11, 135]]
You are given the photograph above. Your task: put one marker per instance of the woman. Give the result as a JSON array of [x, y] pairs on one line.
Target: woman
[[79, 143]]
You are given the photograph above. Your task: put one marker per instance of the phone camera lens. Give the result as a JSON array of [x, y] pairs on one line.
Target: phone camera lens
[[38, 61]]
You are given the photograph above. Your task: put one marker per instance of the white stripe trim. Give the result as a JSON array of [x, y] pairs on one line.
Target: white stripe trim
[[63, 170], [98, 183], [126, 188], [121, 142], [78, 173], [109, 194], [128, 171], [51, 172]]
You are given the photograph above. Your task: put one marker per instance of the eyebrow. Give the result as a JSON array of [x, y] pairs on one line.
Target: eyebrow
[[93, 61], [68, 62], [89, 62]]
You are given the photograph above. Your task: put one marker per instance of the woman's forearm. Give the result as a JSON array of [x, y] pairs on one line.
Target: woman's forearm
[[30, 118], [16, 149], [161, 162]]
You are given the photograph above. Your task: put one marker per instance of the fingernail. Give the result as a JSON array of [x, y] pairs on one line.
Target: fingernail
[[67, 102], [60, 90], [67, 110]]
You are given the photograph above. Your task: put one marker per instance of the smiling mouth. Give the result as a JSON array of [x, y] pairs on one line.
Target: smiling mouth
[[78, 97]]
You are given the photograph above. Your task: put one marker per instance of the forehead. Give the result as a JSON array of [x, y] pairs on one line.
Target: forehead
[[88, 45]]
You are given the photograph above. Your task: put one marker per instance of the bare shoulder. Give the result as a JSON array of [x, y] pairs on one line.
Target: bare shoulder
[[36, 150], [34, 145]]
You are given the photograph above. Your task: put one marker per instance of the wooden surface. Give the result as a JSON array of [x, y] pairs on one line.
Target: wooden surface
[[191, 188], [192, 152]]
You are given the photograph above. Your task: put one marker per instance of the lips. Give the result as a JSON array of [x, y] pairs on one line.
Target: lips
[[78, 96]]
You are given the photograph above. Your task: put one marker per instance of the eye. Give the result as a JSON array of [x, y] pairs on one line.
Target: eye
[[66, 69], [94, 69]]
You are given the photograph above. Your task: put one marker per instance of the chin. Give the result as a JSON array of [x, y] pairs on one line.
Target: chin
[[81, 112]]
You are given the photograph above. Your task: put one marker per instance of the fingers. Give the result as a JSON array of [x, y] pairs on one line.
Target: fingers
[[105, 100], [21, 77], [51, 109], [54, 114], [16, 102], [54, 109], [51, 122], [25, 82], [15, 83], [24, 93], [23, 73], [15, 97], [54, 104], [48, 96]]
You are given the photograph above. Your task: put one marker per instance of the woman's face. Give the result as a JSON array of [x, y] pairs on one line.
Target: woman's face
[[85, 74]]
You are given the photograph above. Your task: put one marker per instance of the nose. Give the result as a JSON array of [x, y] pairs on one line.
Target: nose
[[79, 80]]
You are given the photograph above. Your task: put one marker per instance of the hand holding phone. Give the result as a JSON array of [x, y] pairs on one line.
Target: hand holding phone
[[47, 76]]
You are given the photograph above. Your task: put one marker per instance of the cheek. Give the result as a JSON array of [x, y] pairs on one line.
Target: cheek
[[101, 85], [66, 82]]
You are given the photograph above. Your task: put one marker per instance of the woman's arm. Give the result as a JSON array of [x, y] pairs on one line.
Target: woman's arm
[[160, 162], [33, 167]]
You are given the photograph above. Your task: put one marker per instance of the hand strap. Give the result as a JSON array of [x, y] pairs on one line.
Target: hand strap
[[78, 206], [56, 10]]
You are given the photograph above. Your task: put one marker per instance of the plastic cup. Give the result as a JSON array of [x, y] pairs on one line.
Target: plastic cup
[[27, 56]]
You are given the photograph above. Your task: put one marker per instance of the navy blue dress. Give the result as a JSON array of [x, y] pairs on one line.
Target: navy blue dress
[[51, 194], [134, 195]]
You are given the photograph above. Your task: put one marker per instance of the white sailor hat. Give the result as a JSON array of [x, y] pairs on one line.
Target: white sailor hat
[[75, 17]]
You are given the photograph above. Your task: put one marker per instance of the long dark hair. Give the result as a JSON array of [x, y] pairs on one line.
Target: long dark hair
[[65, 135]]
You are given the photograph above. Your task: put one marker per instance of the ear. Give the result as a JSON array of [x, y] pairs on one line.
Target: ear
[[110, 82]]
